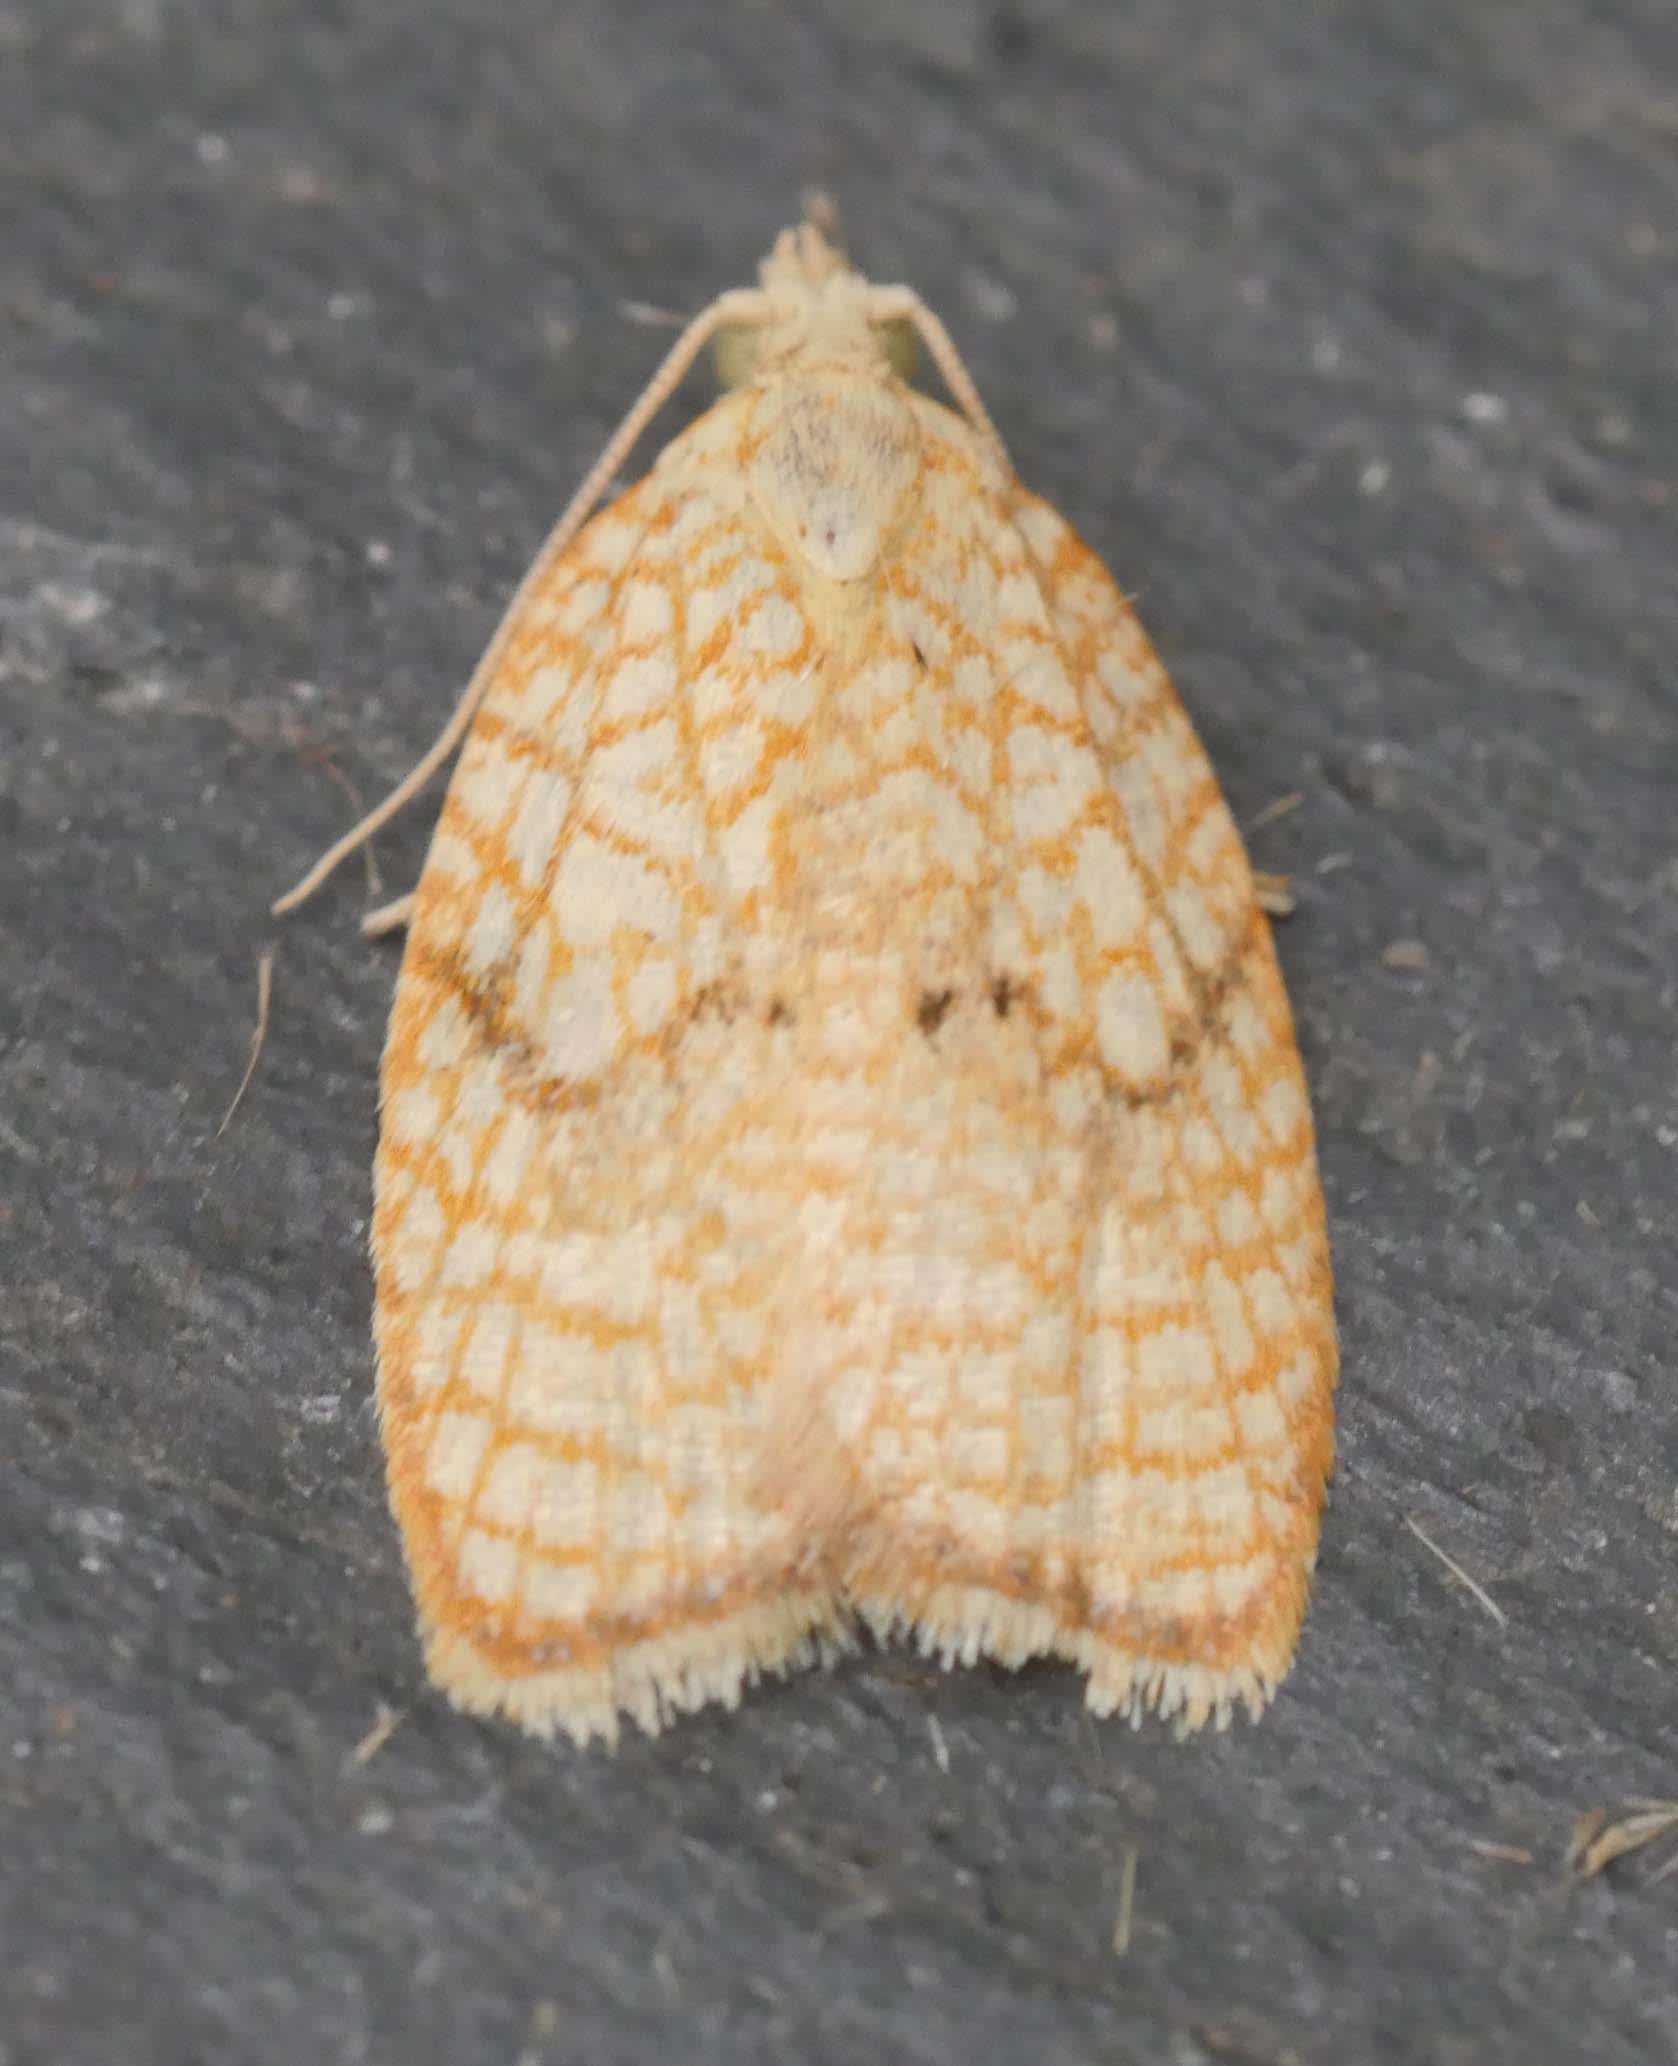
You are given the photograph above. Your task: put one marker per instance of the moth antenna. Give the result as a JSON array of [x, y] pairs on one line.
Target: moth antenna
[[900, 304], [740, 305]]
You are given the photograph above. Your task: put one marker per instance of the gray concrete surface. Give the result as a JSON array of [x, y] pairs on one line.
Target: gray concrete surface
[[1346, 333]]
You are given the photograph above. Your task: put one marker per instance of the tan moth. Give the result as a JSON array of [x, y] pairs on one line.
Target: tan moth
[[844, 1158]]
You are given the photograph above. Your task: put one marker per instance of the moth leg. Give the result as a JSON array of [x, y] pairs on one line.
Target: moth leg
[[389, 918], [1274, 894]]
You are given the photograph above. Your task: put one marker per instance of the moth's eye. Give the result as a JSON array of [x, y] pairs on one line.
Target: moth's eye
[[899, 343], [738, 350]]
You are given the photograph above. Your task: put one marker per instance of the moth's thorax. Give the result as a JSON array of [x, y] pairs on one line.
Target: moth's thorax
[[833, 462], [828, 323]]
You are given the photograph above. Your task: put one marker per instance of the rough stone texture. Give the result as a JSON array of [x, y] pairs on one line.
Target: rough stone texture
[[1346, 334]]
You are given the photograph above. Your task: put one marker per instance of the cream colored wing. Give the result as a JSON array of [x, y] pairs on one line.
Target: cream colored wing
[[573, 1308], [1070, 1326], [1210, 1352]]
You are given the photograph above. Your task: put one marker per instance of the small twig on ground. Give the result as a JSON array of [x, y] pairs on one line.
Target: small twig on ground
[[1127, 1902], [386, 1721], [1507, 1854], [1582, 1834], [1474, 1586], [1279, 809], [867, 1908], [1665, 1872], [940, 1749], [314, 755], [647, 315], [264, 992], [1596, 1842]]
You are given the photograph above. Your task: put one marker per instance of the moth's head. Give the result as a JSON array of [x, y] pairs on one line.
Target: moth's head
[[813, 298]]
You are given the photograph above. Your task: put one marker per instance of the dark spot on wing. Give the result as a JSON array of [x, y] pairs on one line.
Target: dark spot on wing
[[1004, 994], [933, 1006], [713, 1001], [1208, 1024], [485, 1001]]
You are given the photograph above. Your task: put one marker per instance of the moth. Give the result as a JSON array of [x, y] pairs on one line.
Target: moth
[[844, 1162]]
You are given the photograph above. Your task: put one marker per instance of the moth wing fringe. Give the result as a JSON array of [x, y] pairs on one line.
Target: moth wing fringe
[[965, 1624], [651, 1681]]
